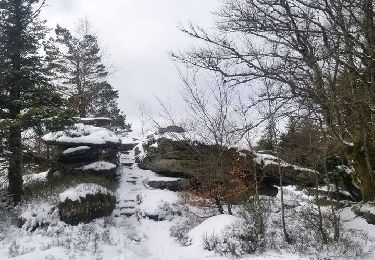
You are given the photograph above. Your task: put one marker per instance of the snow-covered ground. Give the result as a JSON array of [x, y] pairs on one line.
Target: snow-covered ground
[[131, 233]]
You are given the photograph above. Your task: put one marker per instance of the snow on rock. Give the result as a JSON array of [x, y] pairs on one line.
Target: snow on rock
[[83, 134], [212, 226], [76, 149], [98, 166], [267, 159], [81, 191]]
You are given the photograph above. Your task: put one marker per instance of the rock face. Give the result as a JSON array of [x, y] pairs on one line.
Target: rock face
[[365, 210], [176, 159], [172, 184], [84, 203], [170, 158]]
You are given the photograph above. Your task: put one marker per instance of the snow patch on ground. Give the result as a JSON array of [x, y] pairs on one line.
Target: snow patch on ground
[[215, 225], [153, 199]]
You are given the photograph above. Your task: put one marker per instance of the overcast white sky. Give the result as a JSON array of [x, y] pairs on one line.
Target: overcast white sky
[[137, 34]]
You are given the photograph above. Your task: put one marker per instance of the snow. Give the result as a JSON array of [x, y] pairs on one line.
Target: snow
[[164, 179], [367, 207], [215, 225], [138, 237], [346, 169], [152, 200], [268, 159], [28, 179], [154, 145], [83, 134], [35, 178], [98, 166], [81, 191], [142, 153], [88, 119], [75, 149]]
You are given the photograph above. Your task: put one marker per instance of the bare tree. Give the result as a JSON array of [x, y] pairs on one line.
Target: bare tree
[[321, 52]]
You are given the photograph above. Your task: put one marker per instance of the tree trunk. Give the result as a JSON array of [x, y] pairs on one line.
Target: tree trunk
[[285, 233], [364, 178], [230, 209], [219, 205], [320, 216], [80, 90], [15, 188]]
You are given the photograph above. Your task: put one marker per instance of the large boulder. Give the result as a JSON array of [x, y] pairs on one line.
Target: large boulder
[[84, 203], [100, 168]]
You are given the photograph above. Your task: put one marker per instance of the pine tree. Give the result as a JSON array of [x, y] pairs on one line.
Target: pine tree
[[27, 99], [77, 63], [266, 141], [25, 92]]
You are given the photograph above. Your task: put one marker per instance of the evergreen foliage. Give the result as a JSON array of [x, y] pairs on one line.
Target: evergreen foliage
[[26, 96], [76, 62]]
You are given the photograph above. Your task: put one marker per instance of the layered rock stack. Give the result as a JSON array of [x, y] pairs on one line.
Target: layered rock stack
[[87, 148], [85, 155]]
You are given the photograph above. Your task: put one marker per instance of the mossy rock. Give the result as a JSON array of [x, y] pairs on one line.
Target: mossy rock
[[172, 185], [85, 203]]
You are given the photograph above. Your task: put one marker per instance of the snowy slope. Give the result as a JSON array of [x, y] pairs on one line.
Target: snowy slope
[[128, 234]]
